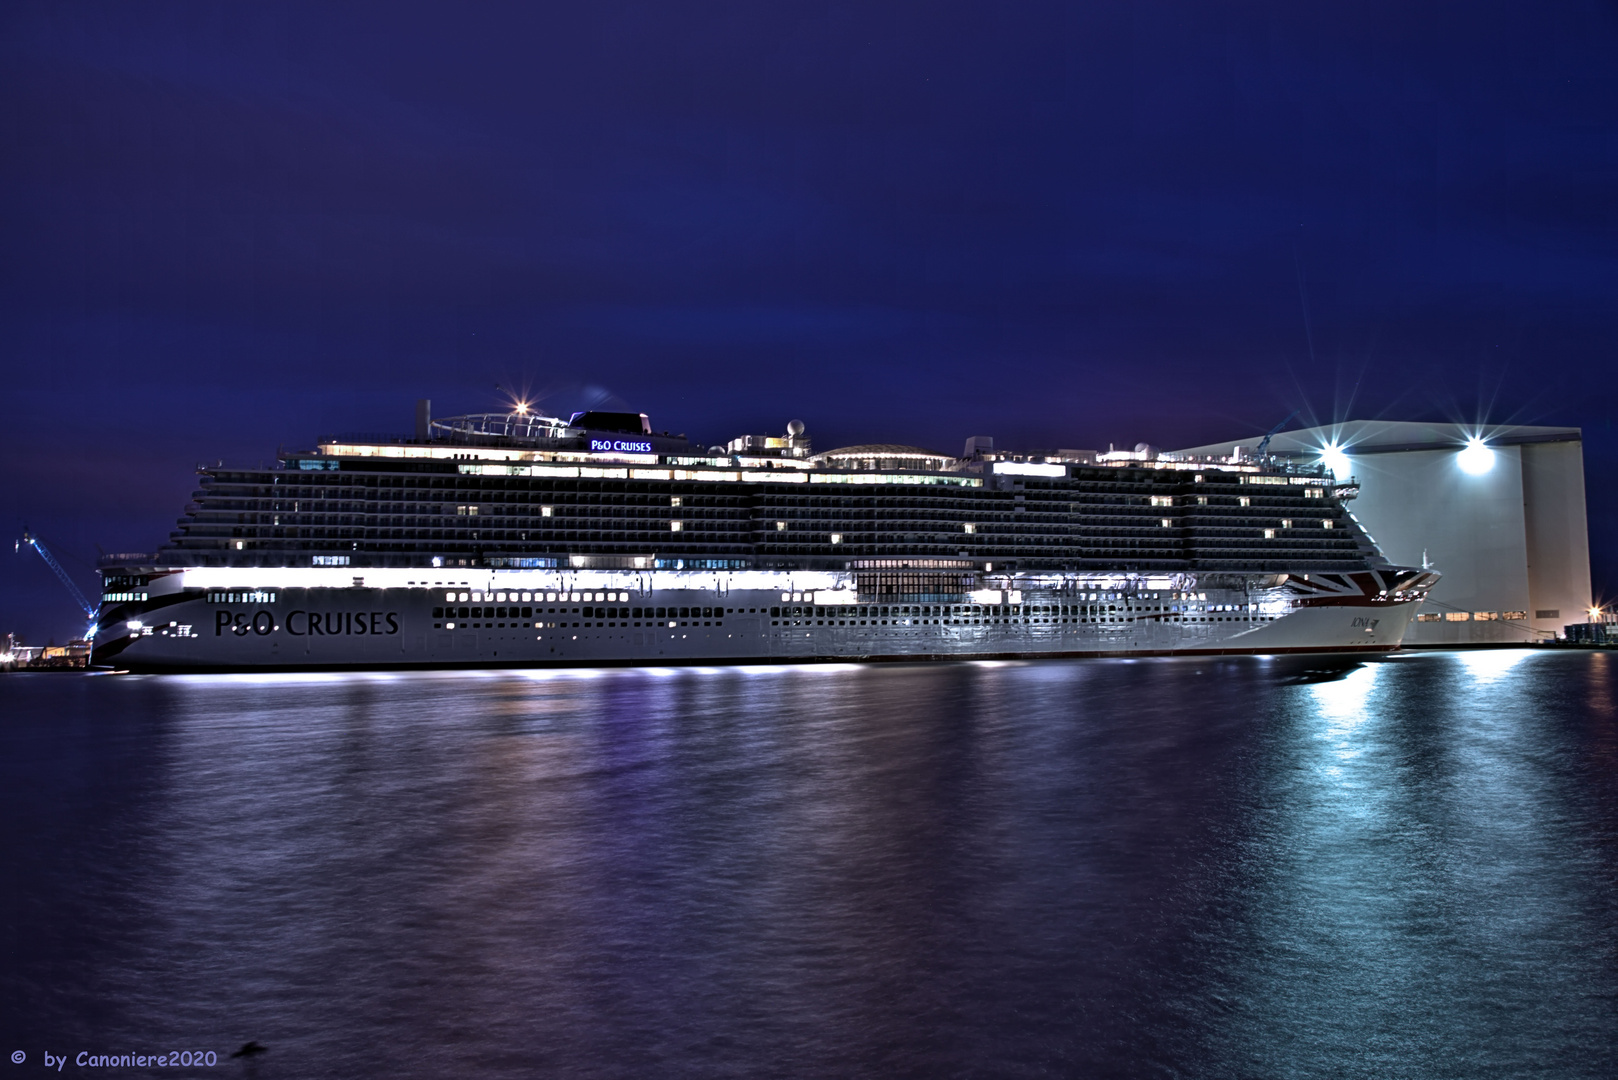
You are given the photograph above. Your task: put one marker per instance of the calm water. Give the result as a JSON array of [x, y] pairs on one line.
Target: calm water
[[1201, 868]]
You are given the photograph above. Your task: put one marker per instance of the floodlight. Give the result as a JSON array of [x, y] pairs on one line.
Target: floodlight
[[1477, 458], [1336, 459]]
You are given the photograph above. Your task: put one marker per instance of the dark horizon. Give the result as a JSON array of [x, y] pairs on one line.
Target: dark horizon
[[234, 229]]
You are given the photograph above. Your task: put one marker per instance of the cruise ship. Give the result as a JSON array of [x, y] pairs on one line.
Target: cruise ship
[[514, 538]]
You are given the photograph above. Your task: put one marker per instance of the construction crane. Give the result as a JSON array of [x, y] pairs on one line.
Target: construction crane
[[34, 542], [1264, 443]]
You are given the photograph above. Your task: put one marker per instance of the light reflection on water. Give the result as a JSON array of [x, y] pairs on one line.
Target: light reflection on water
[[1488, 666], [1212, 867], [1345, 706]]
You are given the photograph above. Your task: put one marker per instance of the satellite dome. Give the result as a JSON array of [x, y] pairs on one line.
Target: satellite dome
[[795, 428]]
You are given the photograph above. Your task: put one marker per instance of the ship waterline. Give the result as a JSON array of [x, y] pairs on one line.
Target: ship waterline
[[443, 552]]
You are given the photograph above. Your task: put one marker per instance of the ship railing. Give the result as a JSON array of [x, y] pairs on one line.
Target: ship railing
[[499, 426], [385, 438], [127, 558], [1291, 466], [443, 432]]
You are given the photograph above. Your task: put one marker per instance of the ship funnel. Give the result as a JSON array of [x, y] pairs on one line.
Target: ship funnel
[[424, 419]]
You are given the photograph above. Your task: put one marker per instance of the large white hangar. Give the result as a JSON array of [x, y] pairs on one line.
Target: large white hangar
[[1499, 510]]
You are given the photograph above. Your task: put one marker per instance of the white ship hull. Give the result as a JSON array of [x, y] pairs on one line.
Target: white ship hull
[[223, 619]]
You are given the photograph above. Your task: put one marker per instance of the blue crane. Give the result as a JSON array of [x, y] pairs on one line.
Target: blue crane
[[1264, 443], [34, 542]]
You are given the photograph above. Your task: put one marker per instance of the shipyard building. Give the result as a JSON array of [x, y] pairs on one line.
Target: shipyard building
[[1500, 512]]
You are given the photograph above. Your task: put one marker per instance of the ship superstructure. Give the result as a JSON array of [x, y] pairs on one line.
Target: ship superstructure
[[515, 538]]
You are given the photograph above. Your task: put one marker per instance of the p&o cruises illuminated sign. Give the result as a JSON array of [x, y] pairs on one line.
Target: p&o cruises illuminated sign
[[620, 446]]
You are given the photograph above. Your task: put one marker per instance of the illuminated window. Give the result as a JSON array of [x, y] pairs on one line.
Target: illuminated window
[[1514, 616], [1202, 500], [544, 511], [1456, 616], [1244, 501], [1434, 617], [1327, 523], [1314, 493], [1269, 534], [969, 527], [780, 526], [676, 526], [837, 538], [674, 500], [1485, 616], [1168, 523], [1286, 523], [1162, 500]]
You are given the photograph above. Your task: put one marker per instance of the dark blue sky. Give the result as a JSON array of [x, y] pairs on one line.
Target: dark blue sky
[[232, 226]]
